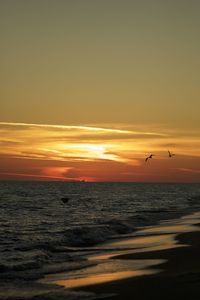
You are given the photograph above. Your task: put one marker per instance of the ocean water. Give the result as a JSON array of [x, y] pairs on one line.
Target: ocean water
[[39, 234]]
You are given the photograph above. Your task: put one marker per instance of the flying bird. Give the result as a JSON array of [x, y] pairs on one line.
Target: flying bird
[[150, 156], [170, 154]]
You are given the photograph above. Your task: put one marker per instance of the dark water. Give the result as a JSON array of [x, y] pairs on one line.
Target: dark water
[[40, 234]]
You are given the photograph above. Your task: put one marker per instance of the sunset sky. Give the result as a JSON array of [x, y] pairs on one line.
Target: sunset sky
[[89, 88]]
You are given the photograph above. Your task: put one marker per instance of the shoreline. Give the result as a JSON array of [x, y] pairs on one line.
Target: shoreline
[[151, 261], [163, 269], [178, 276]]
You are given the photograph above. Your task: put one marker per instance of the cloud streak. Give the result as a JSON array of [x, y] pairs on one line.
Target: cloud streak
[[59, 142], [94, 146]]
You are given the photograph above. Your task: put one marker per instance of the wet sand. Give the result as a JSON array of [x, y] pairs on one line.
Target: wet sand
[[158, 262], [179, 278], [165, 264]]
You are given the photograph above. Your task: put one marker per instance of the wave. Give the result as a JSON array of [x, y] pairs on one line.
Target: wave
[[32, 261], [91, 235], [65, 251]]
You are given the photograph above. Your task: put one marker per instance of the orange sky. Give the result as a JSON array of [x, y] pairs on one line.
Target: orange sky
[[120, 78], [93, 153]]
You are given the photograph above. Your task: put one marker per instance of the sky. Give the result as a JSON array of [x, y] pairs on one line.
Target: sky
[[90, 88]]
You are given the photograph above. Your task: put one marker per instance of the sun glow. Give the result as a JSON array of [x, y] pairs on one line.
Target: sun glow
[[89, 153]]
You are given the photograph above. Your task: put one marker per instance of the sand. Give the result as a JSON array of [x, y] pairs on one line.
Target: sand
[[179, 279], [166, 265]]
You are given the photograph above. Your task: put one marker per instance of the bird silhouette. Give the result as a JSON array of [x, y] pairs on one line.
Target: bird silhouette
[[150, 156], [170, 154]]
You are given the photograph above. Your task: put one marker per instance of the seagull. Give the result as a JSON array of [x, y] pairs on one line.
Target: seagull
[[150, 156], [170, 154]]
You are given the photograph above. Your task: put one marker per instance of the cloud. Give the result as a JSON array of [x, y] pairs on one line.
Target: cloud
[[60, 142], [25, 175], [69, 148], [59, 127]]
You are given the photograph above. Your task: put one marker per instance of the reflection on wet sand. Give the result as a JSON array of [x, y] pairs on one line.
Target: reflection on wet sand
[[107, 270], [101, 278], [138, 244], [109, 267]]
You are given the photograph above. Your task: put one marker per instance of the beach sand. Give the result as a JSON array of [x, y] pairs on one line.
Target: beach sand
[[179, 279], [158, 262], [166, 270]]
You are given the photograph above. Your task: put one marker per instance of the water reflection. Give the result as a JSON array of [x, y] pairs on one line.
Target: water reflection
[[101, 278], [109, 267]]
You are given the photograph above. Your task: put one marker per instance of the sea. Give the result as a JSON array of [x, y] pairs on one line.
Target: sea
[[48, 227]]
